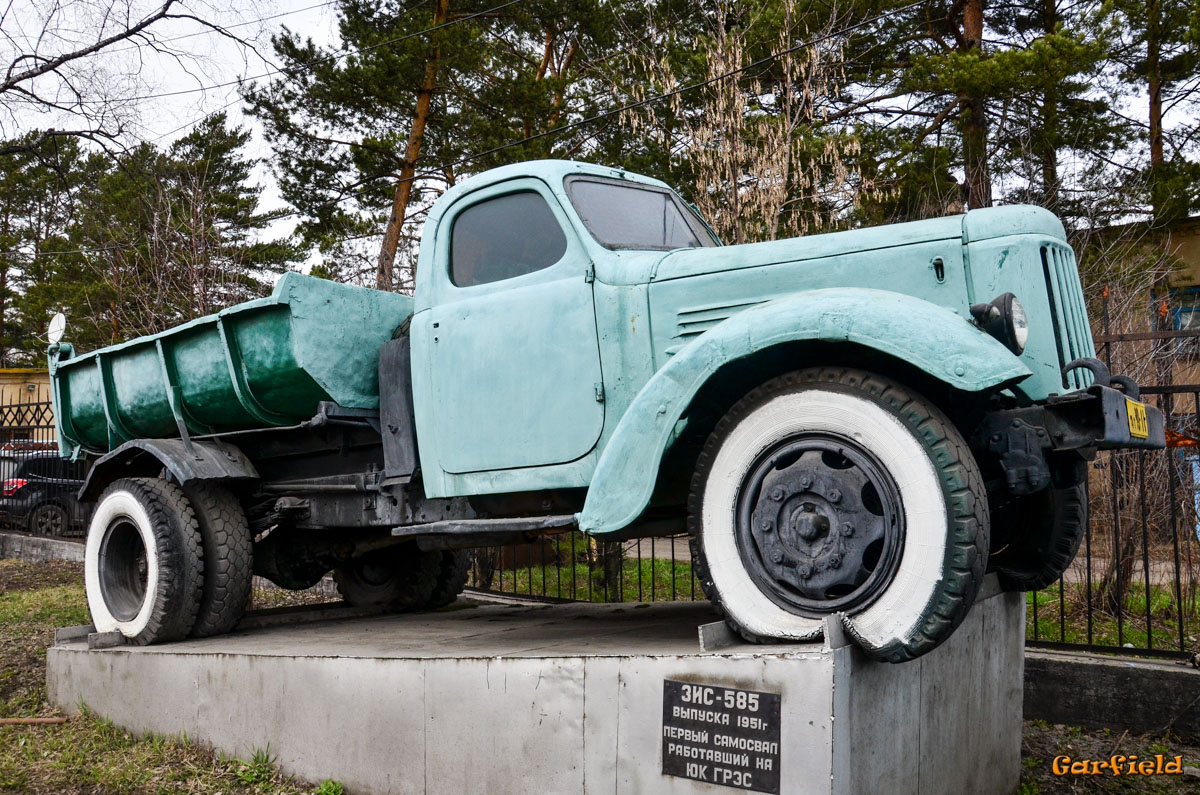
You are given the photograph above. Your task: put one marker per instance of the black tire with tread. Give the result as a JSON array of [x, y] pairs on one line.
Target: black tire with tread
[[228, 558], [966, 552], [453, 568], [413, 575], [1051, 524], [180, 562]]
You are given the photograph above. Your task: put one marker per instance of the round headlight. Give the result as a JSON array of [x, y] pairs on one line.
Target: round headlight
[[1019, 325], [1005, 319]]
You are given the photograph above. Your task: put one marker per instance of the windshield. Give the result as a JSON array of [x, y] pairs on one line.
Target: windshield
[[629, 215]]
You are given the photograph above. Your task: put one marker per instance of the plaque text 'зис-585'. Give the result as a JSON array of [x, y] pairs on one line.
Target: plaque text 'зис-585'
[[721, 735]]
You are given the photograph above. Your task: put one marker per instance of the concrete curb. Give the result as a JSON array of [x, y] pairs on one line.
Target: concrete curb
[[1101, 692], [39, 550]]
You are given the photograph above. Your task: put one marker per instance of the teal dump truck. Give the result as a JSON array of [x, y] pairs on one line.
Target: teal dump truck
[[860, 423]]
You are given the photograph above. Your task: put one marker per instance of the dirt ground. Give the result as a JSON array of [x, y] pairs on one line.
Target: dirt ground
[[89, 755]]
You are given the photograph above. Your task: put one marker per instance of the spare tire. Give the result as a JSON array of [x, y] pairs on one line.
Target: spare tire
[[397, 578], [453, 568]]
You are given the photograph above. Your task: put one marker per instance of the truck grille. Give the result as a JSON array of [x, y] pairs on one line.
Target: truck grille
[[1072, 333]]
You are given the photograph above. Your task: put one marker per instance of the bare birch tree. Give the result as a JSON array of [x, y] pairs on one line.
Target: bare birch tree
[[79, 68]]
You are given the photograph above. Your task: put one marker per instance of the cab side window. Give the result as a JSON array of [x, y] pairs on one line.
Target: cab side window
[[504, 237]]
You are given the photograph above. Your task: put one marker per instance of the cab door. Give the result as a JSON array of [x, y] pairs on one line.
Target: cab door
[[515, 361]]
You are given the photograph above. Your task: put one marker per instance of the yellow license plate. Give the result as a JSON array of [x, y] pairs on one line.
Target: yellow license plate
[[1137, 419]]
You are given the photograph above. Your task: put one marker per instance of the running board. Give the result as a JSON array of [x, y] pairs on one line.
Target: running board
[[464, 533]]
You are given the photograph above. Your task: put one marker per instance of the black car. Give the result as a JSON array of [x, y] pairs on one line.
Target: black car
[[39, 493]]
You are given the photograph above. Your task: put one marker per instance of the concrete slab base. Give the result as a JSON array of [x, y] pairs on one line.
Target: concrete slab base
[[569, 698]]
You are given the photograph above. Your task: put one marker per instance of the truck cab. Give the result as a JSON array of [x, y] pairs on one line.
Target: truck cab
[[847, 423]]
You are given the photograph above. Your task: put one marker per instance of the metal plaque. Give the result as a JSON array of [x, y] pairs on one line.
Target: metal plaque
[[721, 735]]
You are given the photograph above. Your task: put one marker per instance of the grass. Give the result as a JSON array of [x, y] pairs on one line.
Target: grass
[[1066, 619], [89, 753], [1042, 742]]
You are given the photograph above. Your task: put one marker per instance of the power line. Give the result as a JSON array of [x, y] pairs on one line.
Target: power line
[[606, 114], [333, 57], [233, 102], [647, 101], [220, 29]]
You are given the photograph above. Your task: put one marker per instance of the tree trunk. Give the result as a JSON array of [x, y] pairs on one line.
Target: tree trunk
[[385, 266], [974, 123]]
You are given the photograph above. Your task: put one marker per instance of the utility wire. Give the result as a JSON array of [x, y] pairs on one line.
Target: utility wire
[[210, 31], [643, 102], [332, 57], [606, 114]]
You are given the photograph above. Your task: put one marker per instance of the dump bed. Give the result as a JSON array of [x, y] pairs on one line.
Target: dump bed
[[263, 363]]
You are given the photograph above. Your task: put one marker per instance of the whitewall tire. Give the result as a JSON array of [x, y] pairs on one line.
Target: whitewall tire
[[836, 491], [143, 570]]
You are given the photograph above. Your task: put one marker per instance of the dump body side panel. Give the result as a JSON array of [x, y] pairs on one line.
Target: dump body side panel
[[258, 364]]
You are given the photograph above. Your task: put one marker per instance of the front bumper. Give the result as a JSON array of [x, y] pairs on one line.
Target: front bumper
[[1023, 441], [1103, 418]]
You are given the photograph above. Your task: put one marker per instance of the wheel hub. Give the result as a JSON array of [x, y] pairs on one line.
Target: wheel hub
[[819, 524], [123, 570]]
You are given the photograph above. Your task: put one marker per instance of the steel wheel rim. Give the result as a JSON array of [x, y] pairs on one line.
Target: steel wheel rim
[[123, 569], [819, 524]]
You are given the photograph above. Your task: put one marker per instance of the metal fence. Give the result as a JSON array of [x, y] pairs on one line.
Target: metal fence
[[1133, 585], [575, 567], [37, 487]]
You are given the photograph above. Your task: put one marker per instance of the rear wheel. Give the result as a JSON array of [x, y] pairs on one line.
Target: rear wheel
[[838, 491], [228, 547], [397, 578], [143, 568], [48, 520]]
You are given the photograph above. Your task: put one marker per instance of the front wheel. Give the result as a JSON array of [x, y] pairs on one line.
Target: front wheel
[[839, 491], [1044, 531]]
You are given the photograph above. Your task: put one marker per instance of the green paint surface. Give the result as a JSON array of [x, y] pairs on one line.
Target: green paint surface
[[310, 340]]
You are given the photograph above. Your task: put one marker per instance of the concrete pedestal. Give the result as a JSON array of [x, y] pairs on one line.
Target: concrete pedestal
[[567, 698]]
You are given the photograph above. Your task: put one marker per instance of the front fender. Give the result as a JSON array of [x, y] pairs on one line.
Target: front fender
[[208, 460], [930, 337]]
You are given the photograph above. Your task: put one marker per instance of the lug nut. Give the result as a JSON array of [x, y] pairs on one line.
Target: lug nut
[[765, 524], [805, 572], [777, 557], [805, 481], [847, 529], [835, 496], [777, 494], [835, 561]]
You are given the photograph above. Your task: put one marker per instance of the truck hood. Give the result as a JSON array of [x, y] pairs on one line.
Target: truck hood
[[973, 226]]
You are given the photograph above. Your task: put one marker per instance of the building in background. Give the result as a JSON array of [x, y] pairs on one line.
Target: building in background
[[26, 412]]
